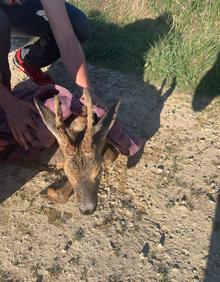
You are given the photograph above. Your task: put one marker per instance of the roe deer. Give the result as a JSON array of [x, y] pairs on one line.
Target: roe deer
[[82, 151]]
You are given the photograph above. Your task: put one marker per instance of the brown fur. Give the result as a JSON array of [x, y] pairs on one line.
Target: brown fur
[[82, 161]]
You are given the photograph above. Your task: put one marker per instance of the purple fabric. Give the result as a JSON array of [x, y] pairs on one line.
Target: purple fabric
[[43, 138]]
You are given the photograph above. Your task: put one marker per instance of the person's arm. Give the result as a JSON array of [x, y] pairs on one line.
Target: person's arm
[[68, 44]]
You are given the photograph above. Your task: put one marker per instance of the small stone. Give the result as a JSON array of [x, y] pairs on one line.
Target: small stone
[[145, 251], [159, 246], [196, 279], [68, 245], [162, 240], [194, 271], [160, 169], [176, 266], [183, 208], [125, 256], [211, 198], [174, 269], [39, 278], [165, 179]]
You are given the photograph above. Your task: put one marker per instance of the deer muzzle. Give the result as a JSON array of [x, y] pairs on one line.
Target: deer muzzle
[[88, 208], [88, 200]]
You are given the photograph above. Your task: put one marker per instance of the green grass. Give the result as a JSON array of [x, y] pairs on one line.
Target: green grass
[[192, 46], [163, 39]]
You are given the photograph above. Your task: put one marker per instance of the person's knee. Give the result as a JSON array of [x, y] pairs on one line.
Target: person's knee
[[80, 23], [84, 30]]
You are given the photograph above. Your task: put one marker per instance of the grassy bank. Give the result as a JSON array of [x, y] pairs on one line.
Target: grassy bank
[[158, 39]]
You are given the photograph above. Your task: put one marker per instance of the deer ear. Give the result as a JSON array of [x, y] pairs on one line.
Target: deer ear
[[50, 120], [104, 125]]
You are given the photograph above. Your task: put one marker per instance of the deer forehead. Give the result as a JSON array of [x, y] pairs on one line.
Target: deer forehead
[[83, 167]]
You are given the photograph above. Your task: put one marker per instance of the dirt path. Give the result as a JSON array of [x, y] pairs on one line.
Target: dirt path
[[154, 221]]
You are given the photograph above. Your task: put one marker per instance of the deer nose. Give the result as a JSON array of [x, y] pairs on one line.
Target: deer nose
[[88, 208]]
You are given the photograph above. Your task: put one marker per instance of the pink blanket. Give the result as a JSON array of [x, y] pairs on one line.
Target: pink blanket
[[11, 152]]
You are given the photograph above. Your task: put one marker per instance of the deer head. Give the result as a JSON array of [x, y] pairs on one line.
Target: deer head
[[82, 152]]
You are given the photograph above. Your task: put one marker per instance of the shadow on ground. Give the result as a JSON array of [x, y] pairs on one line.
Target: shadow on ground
[[212, 272], [9, 173], [14, 175], [125, 47], [208, 88]]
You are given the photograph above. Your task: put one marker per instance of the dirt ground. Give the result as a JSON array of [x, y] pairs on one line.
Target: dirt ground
[[157, 220]]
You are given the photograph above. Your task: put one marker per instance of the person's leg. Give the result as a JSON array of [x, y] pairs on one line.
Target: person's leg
[[5, 74], [44, 51], [29, 20]]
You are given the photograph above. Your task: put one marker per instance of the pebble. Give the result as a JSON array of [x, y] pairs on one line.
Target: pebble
[[145, 251], [175, 269], [183, 208], [160, 169], [211, 199], [176, 266], [165, 179], [67, 247], [162, 240]]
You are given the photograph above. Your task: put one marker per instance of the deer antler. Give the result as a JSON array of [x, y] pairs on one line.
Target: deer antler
[[102, 128], [59, 118], [58, 112], [87, 140]]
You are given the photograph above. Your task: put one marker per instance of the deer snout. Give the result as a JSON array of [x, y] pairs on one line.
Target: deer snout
[[87, 208], [87, 197], [87, 201]]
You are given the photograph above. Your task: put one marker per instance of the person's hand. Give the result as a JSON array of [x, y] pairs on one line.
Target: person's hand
[[18, 114], [99, 107]]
